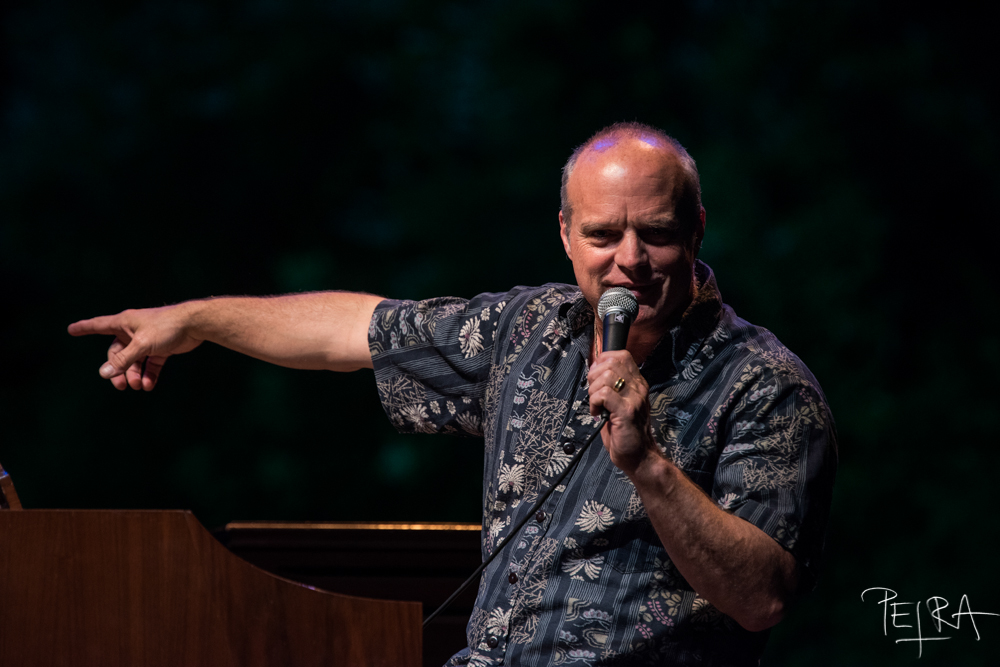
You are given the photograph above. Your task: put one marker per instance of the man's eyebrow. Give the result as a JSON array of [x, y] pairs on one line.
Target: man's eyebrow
[[591, 225], [668, 223]]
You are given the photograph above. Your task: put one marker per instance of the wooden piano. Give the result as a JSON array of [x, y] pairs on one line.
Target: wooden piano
[[149, 588]]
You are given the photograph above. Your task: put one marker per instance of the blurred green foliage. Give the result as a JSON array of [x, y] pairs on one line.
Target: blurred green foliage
[[157, 151]]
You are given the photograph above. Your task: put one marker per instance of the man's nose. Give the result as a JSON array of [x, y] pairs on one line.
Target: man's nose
[[631, 254]]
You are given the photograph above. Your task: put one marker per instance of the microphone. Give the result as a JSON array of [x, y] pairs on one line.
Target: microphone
[[617, 308]]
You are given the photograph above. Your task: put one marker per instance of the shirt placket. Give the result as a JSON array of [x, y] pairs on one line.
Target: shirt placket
[[570, 441]]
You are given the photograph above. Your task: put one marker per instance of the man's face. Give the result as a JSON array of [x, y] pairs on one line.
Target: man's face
[[624, 231]]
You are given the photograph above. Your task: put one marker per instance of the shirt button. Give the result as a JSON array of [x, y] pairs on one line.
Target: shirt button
[[512, 577], [569, 448], [539, 516], [493, 641]]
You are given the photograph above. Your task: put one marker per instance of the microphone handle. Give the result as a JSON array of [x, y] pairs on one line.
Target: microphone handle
[[615, 338], [615, 332]]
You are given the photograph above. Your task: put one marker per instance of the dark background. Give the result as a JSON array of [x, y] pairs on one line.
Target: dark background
[[157, 151]]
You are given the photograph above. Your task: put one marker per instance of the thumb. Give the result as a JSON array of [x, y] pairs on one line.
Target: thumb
[[120, 357]]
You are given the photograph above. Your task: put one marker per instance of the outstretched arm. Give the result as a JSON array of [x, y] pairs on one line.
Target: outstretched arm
[[318, 330], [731, 563]]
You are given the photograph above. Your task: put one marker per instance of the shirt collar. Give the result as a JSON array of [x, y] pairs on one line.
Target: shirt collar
[[698, 321]]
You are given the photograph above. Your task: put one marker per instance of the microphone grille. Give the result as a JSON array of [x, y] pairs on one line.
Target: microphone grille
[[618, 298]]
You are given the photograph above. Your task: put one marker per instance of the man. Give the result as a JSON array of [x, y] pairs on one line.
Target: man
[[690, 531]]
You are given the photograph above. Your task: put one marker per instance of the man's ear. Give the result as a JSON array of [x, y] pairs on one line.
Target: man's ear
[[564, 234], [699, 234]]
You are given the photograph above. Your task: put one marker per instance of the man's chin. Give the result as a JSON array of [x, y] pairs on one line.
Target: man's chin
[[653, 318]]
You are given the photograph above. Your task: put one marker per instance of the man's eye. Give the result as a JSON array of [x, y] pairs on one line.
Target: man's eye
[[660, 236]]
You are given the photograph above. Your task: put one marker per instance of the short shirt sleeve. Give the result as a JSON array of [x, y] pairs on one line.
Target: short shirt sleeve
[[432, 361], [776, 470]]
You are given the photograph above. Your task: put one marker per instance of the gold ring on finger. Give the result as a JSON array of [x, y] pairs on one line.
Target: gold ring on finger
[[619, 384]]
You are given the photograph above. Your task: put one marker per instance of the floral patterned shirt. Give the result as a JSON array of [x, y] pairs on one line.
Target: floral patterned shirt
[[587, 581]]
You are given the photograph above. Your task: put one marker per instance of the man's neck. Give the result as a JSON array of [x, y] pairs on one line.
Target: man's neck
[[639, 345]]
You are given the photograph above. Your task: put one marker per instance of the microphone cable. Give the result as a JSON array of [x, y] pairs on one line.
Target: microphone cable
[[520, 524]]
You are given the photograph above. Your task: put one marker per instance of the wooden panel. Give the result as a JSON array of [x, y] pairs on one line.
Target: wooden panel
[[81, 587], [390, 560]]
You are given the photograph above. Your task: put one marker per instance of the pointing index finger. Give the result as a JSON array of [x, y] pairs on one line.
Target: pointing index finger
[[105, 324]]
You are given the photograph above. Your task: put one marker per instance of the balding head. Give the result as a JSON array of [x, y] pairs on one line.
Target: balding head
[[688, 187]]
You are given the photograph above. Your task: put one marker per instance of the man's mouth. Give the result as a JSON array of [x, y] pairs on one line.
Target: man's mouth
[[642, 292]]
